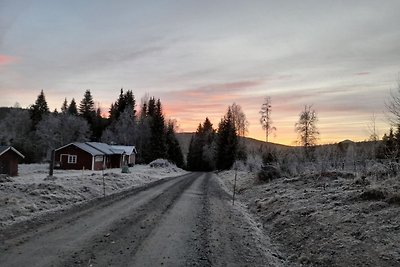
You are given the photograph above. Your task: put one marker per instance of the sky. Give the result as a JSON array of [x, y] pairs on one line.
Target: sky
[[199, 57]]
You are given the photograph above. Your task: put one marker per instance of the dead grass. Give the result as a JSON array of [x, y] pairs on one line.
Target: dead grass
[[330, 218], [373, 194]]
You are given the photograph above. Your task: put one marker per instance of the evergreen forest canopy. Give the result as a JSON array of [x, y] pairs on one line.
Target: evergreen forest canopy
[[36, 131]]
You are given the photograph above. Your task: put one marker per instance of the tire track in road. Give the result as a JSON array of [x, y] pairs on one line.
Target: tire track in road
[[75, 239], [121, 241], [179, 239]]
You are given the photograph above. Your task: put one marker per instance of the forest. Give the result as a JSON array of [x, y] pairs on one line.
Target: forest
[[36, 131]]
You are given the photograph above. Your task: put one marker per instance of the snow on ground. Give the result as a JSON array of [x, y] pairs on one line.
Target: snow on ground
[[326, 219], [33, 193]]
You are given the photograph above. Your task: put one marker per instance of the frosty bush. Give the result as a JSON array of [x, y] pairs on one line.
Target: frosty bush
[[254, 163], [160, 163], [268, 173], [373, 194]]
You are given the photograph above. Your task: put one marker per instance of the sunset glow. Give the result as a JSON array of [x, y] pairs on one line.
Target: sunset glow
[[200, 57], [5, 60]]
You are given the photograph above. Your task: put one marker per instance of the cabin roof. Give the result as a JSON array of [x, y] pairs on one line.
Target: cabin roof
[[4, 149], [128, 150]]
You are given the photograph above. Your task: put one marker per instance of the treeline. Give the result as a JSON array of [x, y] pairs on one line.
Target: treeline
[[212, 149], [36, 131]]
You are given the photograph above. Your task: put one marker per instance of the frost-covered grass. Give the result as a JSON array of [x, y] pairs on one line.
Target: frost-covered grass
[[331, 218], [33, 193]]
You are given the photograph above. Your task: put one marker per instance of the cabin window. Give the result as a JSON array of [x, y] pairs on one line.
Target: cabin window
[[72, 159], [98, 158]]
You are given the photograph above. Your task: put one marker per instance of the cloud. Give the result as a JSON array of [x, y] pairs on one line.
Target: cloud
[[362, 73], [7, 60], [219, 91]]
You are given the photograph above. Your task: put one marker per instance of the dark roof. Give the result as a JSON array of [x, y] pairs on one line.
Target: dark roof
[[96, 148], [4, 149], [106, 149], [128, 150], [84, 147], [89, 149]]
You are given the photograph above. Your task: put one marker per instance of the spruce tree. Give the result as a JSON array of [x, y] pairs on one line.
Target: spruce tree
[[143, 111], [124, 101], [201, 156], [191, 155], [227, 142], [120, 104], [86, 107], [39, 109], [98, 125], [208, 146], [130, 101], [151, 107], [174, 152], [64, 107], [194, 160], [72, 109], [158, 140], [113, 113]]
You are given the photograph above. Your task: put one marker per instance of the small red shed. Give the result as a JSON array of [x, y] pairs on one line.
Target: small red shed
[[9, 158], [78, 156]]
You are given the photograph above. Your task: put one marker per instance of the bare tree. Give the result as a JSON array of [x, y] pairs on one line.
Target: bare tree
[[57, 130], [15, 127], [123, 131], [393, 106], [265, 119], [239, 119], [373, 134], [307, 129]]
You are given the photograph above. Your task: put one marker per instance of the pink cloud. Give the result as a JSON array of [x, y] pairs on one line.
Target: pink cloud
[[5, 60], [362, 73]]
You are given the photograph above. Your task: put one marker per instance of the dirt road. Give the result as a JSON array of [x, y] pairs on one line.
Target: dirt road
[[183, 221]]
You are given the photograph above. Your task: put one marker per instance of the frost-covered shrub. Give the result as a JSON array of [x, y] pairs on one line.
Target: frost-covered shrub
[[268, 173], [289, 165], [373, 194], [380, 170], [394, 199], [361, 181], [240, 165], [160, 163], [269, 158], [253, 163]]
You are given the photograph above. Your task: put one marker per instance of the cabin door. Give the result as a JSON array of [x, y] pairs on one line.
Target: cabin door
[[63, 160], [4, 167]]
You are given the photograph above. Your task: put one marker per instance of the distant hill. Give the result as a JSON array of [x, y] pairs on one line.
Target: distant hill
[[4, 111], [254, 144], [184, 141], [251, 144]]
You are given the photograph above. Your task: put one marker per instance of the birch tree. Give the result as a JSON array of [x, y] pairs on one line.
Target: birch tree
[[307, 129], [265, 119]]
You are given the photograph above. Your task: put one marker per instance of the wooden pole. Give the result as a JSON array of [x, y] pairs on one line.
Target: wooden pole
[[104, 186], [234, 187], [51, 167]]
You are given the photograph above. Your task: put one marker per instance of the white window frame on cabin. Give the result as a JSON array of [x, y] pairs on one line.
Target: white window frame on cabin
[[72, 159], [98, 158]]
